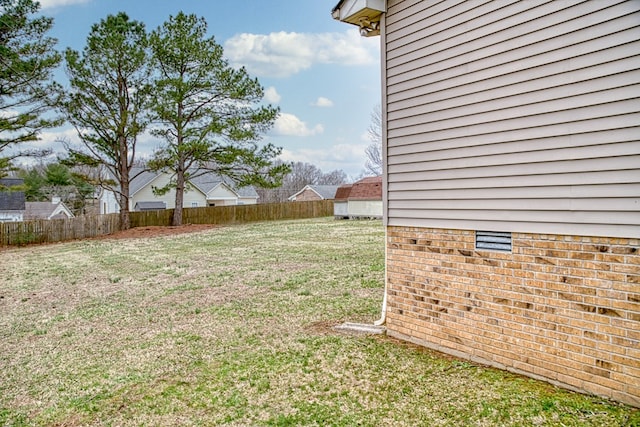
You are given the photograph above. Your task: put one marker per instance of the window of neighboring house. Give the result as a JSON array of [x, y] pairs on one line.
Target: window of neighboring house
[[194, 204], [493, 241]]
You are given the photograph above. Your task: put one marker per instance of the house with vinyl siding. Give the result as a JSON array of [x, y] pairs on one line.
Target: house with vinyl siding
[[511, 183], [203, 189], [12, 202]]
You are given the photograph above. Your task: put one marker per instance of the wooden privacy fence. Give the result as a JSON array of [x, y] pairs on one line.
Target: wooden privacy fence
[[58, 230], [236, 214]]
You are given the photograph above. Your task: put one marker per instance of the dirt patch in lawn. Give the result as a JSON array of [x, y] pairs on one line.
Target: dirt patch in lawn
[[157, 231]]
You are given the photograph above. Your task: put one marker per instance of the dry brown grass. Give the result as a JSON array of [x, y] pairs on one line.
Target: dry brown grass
[[232, 326]]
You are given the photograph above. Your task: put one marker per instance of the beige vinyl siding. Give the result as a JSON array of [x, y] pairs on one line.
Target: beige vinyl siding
[[222, 192], [513, 116], [146, 194]]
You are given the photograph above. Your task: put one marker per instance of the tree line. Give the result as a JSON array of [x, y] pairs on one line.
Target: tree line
[[46, 180], [301, 174], [172, 81]]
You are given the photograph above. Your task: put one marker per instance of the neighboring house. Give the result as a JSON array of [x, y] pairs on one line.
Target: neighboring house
[[205, 190], [314, 192], [55, 209], [362, 199], [12, 203], [512, 183]]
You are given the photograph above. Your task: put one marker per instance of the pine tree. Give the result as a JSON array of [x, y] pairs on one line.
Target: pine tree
[[27, 92], [209, 114], [108, 101]]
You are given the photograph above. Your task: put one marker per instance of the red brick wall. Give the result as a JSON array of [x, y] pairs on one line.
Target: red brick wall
[[307, 196], [561, 308]]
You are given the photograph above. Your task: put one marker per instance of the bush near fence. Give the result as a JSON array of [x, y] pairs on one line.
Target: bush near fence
[[59, 230]]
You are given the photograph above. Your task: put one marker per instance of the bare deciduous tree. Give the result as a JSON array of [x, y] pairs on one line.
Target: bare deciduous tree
[[373, 164], [301, 174]]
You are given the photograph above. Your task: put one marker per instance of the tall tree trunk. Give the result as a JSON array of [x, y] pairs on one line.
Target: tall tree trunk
[[123, 154], [125, 220], [177, 212]]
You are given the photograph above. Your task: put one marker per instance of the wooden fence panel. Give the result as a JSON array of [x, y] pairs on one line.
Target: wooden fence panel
[[58, 230], [161, 218]]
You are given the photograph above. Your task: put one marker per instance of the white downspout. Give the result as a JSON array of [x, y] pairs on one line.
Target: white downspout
[[383, 315], [385, 184]]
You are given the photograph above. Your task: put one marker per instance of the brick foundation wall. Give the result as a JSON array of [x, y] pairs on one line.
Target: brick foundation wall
[[565, 309]]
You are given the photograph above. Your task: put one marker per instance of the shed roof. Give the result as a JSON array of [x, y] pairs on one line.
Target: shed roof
[[369, 188], [147, 206], [342, 193]]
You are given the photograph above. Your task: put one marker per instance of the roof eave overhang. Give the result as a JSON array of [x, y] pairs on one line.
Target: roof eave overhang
[[221, 184], [365, 14]]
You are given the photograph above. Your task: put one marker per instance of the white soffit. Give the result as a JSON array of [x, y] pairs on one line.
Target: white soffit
[[355, 11]]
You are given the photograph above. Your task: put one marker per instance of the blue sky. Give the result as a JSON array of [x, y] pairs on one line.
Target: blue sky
[[324, 77]]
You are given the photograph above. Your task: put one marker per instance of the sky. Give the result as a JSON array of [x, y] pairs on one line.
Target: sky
[[321, 73]]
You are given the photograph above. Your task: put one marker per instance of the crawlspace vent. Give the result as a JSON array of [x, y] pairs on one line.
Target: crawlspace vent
[[493, 241]]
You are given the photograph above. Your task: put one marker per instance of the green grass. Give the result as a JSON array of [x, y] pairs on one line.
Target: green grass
[[233, 326]]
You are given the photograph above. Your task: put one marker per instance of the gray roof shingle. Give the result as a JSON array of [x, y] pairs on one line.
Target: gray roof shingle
[[12, 201], [204, 183], [42, 210], [327, 192]]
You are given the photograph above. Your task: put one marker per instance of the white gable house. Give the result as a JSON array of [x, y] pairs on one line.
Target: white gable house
[[208, 189]]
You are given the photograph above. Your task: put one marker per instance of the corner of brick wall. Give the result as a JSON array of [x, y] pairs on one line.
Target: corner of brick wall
[[561, 308]]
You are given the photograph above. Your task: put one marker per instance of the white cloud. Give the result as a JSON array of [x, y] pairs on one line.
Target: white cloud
[[283, 54], [323, 102], [348, 157], [49, 140], [289, 125], [49, 4], [8, 113], [271, 95], [56, 137]]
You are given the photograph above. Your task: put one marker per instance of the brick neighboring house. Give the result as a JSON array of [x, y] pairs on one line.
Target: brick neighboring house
[[512, 183], [362, 199], [314, 192], [12, 203]]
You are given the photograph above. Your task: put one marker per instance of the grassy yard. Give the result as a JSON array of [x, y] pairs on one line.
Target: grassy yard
[[233, 326]]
